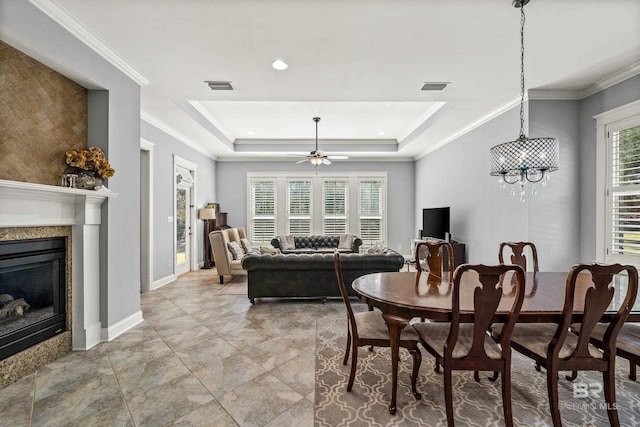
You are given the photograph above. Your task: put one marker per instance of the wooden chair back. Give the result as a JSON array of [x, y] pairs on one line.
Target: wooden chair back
[[344, 293], [486, 298], [431, 252], [597, 299], [518, 254]]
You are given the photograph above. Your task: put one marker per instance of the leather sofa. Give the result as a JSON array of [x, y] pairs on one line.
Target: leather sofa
[[222, 256], [311, 275], [344, 243]]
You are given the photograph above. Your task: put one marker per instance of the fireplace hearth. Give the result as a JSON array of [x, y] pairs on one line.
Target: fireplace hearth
[[32, 292]]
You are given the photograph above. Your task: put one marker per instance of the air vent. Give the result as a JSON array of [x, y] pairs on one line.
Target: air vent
[[219, 85], [434, 85]]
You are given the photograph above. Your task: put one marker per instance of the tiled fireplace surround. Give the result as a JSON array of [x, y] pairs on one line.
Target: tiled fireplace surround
[[34, 210]]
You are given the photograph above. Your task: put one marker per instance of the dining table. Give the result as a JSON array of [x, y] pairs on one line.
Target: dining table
[[406, 295]]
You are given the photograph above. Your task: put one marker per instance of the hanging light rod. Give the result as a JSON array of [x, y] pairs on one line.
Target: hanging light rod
[[525, 159]]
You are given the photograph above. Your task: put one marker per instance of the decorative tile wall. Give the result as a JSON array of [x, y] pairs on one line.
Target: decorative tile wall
[[42, 115]]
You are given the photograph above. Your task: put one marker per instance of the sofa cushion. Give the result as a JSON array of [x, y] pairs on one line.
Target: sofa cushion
[[269, 251], [235, 250]]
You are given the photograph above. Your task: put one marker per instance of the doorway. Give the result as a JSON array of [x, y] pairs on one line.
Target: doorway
[[146, 215], [184, 194]]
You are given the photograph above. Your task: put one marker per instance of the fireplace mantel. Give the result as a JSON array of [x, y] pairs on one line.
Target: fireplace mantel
[[34, 205]]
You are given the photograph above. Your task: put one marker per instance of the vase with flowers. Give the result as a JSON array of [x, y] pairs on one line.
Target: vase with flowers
[[88, 168]]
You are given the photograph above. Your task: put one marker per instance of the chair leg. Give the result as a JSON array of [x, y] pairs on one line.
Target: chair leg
[[609, 380], [552, 391], [476, 376], [354, 363], [417, 361], [632, 371], [494, 377], [448, 396], [436, 366], [506, 396], [538, 367], [346, 352], [222, 280]]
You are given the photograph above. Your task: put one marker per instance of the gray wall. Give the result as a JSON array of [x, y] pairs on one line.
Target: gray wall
[[231, 183], [483, 214], [29, 30], [165, 147], [608, 99]]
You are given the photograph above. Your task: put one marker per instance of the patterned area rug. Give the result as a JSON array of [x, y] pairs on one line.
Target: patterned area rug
[[475, 404]]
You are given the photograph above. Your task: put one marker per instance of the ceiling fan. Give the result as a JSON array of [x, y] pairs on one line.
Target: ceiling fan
[[319, 157]]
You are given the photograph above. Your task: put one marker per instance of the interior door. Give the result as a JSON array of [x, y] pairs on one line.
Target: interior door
[[183, 221]]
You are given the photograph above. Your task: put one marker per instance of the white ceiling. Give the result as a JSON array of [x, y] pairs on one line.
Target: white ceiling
[[357, 64]]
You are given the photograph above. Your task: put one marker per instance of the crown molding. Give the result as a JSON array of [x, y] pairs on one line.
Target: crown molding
[[543, 94], [67, 21], [174, 134], [613, 79]]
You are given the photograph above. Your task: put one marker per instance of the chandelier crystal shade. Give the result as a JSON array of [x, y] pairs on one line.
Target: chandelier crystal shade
[[525, 159]]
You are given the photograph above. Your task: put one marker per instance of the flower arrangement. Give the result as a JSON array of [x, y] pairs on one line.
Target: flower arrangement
[[92, 159]]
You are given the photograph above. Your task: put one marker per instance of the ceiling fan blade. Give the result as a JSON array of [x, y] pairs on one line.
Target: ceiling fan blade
[[326, 162], [338, 157], [302, 161]]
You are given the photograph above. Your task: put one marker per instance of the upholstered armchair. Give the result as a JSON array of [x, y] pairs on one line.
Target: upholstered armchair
[[226, 263]]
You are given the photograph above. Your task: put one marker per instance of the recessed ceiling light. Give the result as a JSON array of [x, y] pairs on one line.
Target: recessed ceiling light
[[279, 65], [381, 133], [251, 132]]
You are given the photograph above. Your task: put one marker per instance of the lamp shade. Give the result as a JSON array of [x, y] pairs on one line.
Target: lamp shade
[[207, 213]]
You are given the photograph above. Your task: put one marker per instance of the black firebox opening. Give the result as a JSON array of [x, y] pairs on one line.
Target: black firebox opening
[[32, 292]]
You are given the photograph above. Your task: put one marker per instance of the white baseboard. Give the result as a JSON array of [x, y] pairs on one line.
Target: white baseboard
[[164, 281], [115, 330]]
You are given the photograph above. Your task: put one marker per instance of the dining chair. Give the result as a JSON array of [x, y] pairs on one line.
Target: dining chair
[[368, 328], [552, 346], [519, 254], [430, 253], [468, 346]]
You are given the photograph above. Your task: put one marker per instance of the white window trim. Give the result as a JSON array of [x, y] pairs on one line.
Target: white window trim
[[353, 179], [604, 121]]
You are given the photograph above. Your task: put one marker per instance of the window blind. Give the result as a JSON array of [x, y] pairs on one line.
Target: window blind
[[334, 219], [370, 215], [263, 197], [299, 207], [624, 191]]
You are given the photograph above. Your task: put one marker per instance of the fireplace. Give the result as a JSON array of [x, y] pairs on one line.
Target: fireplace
[[32, 292]]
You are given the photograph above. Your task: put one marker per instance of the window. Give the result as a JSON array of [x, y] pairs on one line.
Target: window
[[334, 199], [331, 204], [263, 210], [371, 211], [624, 190], [299, 207]]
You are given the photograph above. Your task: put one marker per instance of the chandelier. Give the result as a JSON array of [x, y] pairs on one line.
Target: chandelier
[[525, 159]]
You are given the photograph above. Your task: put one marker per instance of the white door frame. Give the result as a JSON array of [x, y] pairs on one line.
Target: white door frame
[[191, 247], [146, 218]]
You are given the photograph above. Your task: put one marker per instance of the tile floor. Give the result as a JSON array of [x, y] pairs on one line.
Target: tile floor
[[204, 356]]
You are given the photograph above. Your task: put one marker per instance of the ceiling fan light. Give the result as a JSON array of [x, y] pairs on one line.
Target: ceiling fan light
[[316, 161]]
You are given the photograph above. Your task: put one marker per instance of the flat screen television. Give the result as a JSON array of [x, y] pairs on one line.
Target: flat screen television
[[435, 222]]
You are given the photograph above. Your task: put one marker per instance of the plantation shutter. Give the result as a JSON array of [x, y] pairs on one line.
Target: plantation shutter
[[623, 220], [334, 220], [299, 207], [371, 211], [263, 218]]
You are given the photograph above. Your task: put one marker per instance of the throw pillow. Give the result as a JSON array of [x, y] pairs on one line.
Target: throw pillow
[[254, 251], [346, 241], [287, 243], [374, 249], [235, 250], [246, 245], [270, 251]]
